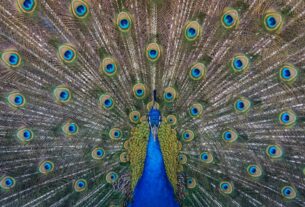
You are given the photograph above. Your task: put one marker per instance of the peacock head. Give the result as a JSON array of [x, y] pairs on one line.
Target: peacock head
[[154, 117]]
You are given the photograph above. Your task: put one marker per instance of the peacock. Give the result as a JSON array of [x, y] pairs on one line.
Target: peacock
[[152, 103]]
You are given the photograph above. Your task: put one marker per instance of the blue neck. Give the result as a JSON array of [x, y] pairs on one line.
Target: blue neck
[[153, 188]]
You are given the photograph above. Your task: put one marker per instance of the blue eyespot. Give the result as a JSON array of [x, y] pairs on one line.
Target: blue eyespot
[[68, 55], [72, 128], [115, 133], [226, 187], [46, 167], [169, 94], [110, 68], [228, 19], [238, 64], [191, 32], [191, 183], [134, 117], [228, 136], [80, 185], [24, 135], [18, 100], [196, 110], [188, 135], [64, 95], [252, 170], [196, 72], [285, 117], [140, 92], [204, 156], [286, 74], [27, 134], [14, 59], [288, 118], [106, 102], [112, 177], [7, 182], [98, 153], [240, 105], [289, 192], [271, 22], [81, 10], [274, 151], [28, 4], [124, 23], [153, 53]]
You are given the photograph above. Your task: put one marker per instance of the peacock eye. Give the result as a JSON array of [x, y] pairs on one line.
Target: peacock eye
[[46, 167], [230, 18], [80, 185], [25, 135], [111, 177], [16, 100], [197, 71], [27, 6], [288, 74], [226, 187], [11, 58], [254, 171], [195, 110], [139, 91], [240, 63], [124, 22], [169, 94], [191, 183], [115, 133], [70, 128], [274, 151], [134, 117], [192, 31], [288, 192], [124, 157], [273, 21], [109, 67], [182, 159], [80, 8], [62, 94], [188, 135], [230, 135], [206, 157], [98, 153], [106, 102], [171, 119], [242, 105], [7, 182], [67, 53], [153, 52], [288, 118]]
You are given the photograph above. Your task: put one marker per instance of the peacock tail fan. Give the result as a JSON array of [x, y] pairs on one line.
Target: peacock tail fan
[[152, 103]]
